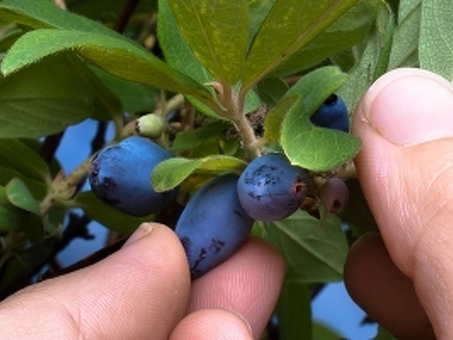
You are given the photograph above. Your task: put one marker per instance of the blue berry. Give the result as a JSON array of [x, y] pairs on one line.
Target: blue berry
[[270, 188], [332, 114], [213, 225], [120, 175]]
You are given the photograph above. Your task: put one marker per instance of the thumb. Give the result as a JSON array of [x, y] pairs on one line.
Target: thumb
[[405, 168]]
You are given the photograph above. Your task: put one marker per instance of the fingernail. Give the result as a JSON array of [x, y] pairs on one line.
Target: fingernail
[[142, 231], [410, 106]]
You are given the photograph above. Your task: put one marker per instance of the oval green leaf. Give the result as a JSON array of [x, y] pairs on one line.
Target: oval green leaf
[[347, 31], [312, 255], [436, 39], [50, 94], [217, 33], [290, 25], [19, 195], [117, 56], [274, 118], [172, 172], [11, 217], [16, 155]]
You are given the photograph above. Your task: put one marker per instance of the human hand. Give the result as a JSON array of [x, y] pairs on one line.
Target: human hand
[[404, 280], [144, 291]]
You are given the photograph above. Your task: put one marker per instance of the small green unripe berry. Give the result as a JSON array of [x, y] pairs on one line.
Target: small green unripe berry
[[150, 125]]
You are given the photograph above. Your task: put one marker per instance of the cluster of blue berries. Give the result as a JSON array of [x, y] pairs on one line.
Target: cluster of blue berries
[[219, 216]]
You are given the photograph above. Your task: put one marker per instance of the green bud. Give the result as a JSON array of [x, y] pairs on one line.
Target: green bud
[[150, 125]]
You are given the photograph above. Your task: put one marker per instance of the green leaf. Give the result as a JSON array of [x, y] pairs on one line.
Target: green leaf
[[19, 195], [386, 23], [217, 33], [258, 11], [50, 95], [290, 25], [407, 32], [179, 55], [44, 14], [384, 334], [16, 155], [293, 311], [347, 31], [24, 263], [172, 172], [271, 90], [187, 140], [176, 50], [134, 97], [274, 118], [119, 57], [436, 39], [37, 187], [34, 228], [11, 217], [107, 216], [306, 145], [363, 73], [9, 37], [322, 332], [313, 254]]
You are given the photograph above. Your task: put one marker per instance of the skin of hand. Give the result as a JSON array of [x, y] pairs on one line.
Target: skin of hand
[[403, 276], [144, 290]]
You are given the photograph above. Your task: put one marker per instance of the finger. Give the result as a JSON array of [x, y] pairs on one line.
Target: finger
[[388, 296], [248, 283], [212, 324], [405, 122], [138, 292]]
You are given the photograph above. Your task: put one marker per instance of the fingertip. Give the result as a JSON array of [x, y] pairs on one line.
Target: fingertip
[[248, 283], [406, 107], [212, 324]]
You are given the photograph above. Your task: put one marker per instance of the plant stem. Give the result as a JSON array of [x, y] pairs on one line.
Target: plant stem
[[235, 104], [64, 187], [125, 15], [247, 135]]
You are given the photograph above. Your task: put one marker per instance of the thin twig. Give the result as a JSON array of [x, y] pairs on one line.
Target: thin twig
[[50, 145], [125, 15]]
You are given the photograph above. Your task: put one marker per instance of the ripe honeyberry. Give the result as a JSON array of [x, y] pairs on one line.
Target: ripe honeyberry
[[332, 114], [213, 225], [270, 188], [120, 175]]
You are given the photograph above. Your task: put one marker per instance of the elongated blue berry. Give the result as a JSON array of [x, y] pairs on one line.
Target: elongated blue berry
[[213, 225], [120, 175]]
